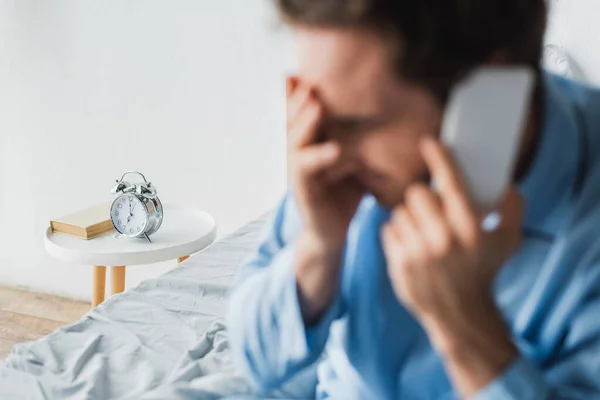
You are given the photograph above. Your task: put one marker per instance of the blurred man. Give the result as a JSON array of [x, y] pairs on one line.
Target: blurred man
[[394, 288]]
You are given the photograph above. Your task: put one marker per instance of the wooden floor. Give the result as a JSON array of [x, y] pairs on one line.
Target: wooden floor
[[26, 316]]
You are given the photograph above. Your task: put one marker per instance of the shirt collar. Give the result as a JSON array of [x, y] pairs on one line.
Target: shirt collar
[[554, 173]]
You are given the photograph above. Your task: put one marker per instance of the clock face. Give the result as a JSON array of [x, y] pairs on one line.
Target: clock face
[[129, 215]]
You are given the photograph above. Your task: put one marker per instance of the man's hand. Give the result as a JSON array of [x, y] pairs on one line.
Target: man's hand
[[325, 192], [442, 266], [327, 197]]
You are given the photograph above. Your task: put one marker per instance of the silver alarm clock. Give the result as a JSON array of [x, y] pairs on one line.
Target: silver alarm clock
[[136, 211]]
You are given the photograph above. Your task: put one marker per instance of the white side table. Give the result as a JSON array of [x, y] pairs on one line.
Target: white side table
[[183, 232]]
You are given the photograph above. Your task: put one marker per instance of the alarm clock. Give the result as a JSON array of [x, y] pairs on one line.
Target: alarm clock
[[136, 212]]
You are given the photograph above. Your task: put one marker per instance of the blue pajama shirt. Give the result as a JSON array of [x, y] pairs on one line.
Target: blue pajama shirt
[[369, 347]]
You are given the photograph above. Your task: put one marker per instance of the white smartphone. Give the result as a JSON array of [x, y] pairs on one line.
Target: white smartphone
[[483, 124]]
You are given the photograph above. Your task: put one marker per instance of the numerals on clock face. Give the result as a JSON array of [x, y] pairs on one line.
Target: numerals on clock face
[[128, 215]]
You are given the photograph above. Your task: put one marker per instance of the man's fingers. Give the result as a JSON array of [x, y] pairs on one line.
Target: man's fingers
[[452, 189], [427, 213], [296, 102], [391, 244], [406, 229], [317, 158], [446, 175], [304, 114], [305, 127], [291, 83]]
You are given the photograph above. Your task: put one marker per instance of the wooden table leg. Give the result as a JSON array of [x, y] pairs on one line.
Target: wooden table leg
[[182, 259], [117, 277], [99, 285]]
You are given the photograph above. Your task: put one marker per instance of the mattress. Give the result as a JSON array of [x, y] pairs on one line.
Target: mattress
[[165, 338]]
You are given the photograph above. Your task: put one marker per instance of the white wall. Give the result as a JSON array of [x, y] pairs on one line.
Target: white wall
[[574, 25], [190, 92]]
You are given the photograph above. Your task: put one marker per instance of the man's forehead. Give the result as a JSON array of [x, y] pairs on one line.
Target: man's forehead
[[349, 69]]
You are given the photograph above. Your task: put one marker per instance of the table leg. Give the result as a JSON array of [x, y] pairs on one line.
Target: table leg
[[99, 285], [117, 277], [182, 259]]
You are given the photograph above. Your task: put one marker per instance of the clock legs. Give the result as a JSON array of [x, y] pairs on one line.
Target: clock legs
[[99, 285], [117, 275]]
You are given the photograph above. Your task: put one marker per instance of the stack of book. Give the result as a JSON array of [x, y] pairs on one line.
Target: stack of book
[[85, 224]]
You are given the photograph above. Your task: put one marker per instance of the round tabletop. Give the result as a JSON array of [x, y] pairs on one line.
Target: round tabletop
[[184, 231]]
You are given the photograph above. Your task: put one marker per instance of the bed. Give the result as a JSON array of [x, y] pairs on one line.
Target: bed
[[164, 339]]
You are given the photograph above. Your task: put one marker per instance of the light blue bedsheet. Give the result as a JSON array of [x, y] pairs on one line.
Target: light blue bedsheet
[[164, 339]]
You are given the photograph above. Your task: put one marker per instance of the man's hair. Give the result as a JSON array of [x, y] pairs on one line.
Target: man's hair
[[435, 42]]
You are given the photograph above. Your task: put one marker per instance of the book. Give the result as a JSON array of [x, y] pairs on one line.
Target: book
[[85, 224]]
